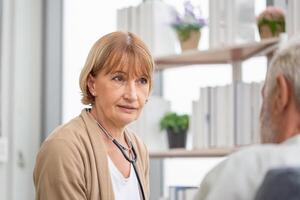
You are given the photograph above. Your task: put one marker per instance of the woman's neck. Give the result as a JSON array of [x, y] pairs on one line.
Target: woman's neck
[[116, 132]]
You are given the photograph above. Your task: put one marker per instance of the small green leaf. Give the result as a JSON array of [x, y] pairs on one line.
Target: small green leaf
[[175, 123]]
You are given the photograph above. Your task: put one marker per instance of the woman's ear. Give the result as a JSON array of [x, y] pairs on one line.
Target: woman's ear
[[91, 84]]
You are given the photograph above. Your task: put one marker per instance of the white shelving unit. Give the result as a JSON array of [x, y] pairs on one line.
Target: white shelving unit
[[233, 55], [222, 55], [183, 153], [225, 55]]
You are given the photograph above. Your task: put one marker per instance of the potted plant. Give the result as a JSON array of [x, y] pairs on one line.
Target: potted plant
[[176, 127], [188, 26], [271, 22]]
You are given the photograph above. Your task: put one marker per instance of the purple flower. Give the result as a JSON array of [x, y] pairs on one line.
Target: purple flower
[[191, 17], [189, 9], [202, 21]]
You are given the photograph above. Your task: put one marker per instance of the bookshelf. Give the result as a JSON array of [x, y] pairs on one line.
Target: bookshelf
[[233, 55]]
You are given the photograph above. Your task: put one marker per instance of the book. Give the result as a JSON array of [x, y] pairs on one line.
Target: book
[[231, 22], [182, 192], [148, 127], [153, 27]]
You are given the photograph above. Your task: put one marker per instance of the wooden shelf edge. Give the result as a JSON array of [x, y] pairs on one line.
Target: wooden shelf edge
[[183, 153], [229, 54]]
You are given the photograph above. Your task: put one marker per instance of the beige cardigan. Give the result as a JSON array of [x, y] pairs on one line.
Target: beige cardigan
[[72, 163]]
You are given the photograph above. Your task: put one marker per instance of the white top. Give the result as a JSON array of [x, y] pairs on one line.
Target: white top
[[239, 176], [124, 188]]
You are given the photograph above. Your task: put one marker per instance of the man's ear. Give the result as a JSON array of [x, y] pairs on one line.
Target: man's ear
[[282, 94], [91, 84]]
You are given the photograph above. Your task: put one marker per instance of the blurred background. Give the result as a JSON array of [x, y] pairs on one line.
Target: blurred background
[[44, 44]]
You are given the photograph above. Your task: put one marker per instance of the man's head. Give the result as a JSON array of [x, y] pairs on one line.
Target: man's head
[[280, 113]]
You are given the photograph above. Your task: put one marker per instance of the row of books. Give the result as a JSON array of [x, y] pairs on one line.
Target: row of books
[[231, 22], [182, 192], [227, 116], [147, 125], [151, 21]]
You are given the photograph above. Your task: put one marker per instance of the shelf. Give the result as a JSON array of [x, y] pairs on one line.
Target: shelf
[[183, 153], [223, 55]]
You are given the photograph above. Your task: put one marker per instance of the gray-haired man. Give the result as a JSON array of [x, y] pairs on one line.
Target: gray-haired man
[[239, 176]]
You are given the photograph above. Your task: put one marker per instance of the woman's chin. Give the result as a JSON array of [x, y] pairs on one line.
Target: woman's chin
[[125, 120]]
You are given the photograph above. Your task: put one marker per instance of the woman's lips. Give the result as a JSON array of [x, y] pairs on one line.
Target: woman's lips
[[127, 109]]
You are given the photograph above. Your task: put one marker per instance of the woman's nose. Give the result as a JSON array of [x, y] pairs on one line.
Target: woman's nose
[[131, 91]]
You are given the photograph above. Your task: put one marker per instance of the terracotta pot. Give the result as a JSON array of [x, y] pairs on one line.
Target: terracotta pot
[[265, 32], [192, 42]]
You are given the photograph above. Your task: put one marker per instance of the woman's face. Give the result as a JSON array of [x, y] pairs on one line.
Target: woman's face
[[120, 96]]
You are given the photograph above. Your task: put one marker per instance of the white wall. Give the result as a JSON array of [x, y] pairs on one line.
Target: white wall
[[293, 17], [21, 92], [5, 82]]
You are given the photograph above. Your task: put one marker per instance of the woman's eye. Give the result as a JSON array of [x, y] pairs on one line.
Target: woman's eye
[[118, 78], [143, 81]]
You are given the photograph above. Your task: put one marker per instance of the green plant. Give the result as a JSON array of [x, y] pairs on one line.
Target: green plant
[[190, 21], [174, 122], [273, 18]]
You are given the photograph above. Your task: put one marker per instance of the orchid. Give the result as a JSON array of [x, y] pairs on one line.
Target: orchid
[[191, 20]]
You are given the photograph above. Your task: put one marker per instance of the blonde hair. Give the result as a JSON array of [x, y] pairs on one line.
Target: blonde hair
[[114, 51]]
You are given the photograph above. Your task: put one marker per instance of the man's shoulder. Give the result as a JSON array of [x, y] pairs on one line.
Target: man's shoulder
[[265, 151], [253, 151], [245, 170], [260, 157]]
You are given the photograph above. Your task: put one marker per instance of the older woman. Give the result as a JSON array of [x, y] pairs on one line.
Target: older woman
[[94, 156]]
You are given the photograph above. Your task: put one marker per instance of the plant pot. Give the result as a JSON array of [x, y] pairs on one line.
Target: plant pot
[[191, 42], [266, 32], [176, 140]]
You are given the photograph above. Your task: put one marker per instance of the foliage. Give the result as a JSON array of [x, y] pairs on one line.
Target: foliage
[[191, 20], [174, 122], [273, 17]]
